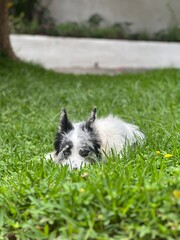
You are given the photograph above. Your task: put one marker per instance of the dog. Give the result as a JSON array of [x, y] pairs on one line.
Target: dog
[[82, 143]]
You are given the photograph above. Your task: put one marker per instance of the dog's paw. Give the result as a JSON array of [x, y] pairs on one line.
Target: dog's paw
[[50, 156]]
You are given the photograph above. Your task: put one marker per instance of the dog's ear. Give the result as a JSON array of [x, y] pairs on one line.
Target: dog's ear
[[90, 121], [65, 125]]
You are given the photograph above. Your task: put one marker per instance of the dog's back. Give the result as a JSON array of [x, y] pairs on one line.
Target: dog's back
[[115, 133]]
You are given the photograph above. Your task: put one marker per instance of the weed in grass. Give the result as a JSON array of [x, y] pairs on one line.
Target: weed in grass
[[133, 197]]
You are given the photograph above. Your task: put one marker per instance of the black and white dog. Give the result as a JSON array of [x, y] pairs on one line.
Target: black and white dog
[[78, 144]]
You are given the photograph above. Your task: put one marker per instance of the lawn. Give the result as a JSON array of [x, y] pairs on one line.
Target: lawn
[[135, 197]]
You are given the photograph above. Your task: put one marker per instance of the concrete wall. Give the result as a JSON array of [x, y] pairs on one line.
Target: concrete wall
[[145, 15]]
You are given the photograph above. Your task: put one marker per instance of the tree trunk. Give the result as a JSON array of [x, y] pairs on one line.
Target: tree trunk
[[5, 45]]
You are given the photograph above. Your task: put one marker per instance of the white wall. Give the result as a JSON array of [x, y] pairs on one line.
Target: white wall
[[145, 15]]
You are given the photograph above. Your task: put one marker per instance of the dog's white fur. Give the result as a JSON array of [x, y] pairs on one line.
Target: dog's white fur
[[116, 133], [112, 133]]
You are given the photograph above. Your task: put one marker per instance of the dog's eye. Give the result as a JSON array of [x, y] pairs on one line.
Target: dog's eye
[[66, 151], [84, 153], [66, 154]]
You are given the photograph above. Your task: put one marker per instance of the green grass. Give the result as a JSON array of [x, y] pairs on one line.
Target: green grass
[[136, 197]]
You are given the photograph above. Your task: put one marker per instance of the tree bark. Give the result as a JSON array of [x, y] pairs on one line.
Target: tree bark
[[5, 45]]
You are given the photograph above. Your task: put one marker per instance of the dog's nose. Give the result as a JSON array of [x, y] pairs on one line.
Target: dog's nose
[[74, 165]]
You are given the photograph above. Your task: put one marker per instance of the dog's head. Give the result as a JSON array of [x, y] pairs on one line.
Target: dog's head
[[77, 144]]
